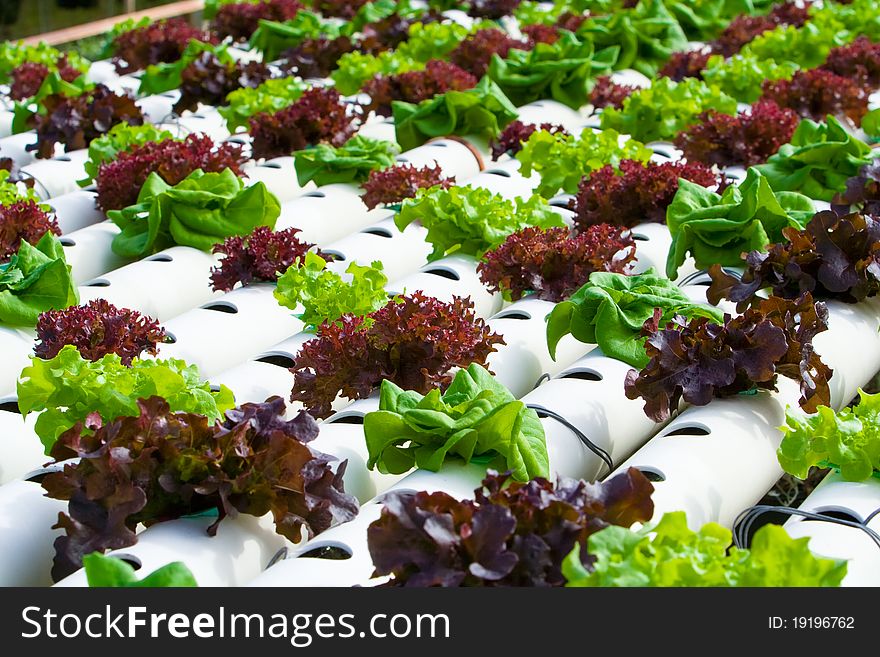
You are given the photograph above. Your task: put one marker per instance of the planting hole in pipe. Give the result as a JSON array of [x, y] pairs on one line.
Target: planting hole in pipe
[[97, 282], [242, 142], [690, 430], [338, 256], [270, 165], [66, 241], [513, 314], [222, 307], [444, 272], [439, 144], [638, 237], [583, 375], [651, 474], [346, 418], [498, 172], [402, 159], [10, 406], [279, 360], [160, 257], [170, 338], [61, 158], [560, 203], [839, 513], [315, 194], [130, 559], [333, 552], [378, 230]]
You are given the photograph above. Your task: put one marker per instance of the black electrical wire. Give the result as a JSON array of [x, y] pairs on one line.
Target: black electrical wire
[[593, 447], [742, 527]]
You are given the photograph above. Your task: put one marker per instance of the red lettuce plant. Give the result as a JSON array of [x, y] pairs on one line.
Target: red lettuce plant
[[160, 42], [862, 192], [120, 180], [316, 58], [437, 77], [553, 263], [817, 92], [747, 138], [858, 61], [700, 360], [207, 80], [163, 465], [744, 28], [516, 133], [402, 181], [75, 121], [26, 78], [683, 65], [261, 256], [23, 220], [97, 329], [492, 9], [240, 20], [318, 116], [339, 8], [834, 257], [540, 33], [390, 32], [475, 52], [634, 193], [413, 341], [606, 93], [508, 535], [571, 21]]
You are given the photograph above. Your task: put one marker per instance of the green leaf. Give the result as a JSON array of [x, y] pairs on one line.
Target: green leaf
[[325, 295], [670, 554], [122, 137], [475, 417], [743, 75], [66, 389], [564, 71], [818, 160], [350, 163], [111, 572], [848, 440], [15, 53], [159, 78], [717, 228], [272, 38], [871, 124], [36, 279], [664, 109], [472, 220], [610, 309], [704, 20], [52, 85], [482, 111], [11, 192], [270, 96], [562, 160], [200, 211]]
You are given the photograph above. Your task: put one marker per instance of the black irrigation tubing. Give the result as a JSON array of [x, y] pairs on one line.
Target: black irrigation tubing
[[593, 447], [744, 522]]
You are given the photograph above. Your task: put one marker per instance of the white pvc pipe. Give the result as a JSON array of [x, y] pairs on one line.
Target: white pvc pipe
[[22, 449], [6, 123], [550, 111], [59, 175], [279, 176], [453, 157], [88, 251], [15, 147], [326, 214], [401, 252], [75, 210], [16, 348]]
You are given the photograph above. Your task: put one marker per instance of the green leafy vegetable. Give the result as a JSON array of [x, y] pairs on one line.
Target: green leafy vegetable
[[482, 111], [326, 296], [159, 78], [717, 228], [818, 160], [267, 98], [806, 46], [703, 20], [350, 163], [743, 75], [122, 137], [670, 554], [476, 417], [200, 211], [110, 572], [16, 53], [11, 192], [611, 309], [848, 440], [36, 278], [472, 220], [434, 40], [871, 124], [664, 109], [69, 388], [272, 38], [563, 71], [355, 68], [562, 160]]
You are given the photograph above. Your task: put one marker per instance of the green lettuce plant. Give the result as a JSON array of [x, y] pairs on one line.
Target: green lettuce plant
[[742, 76], [267, 98], [122, 137], [350, 163], [272, 38], [111, 572]]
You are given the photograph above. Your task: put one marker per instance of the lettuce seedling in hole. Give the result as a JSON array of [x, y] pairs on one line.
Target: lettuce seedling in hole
[[352, 162], [848, 440], [112, 572], [121, 138], [553, 263], [701, 360], [816, 93], [834, 257], [269, 96], [745, 139], [395, 184], [475, 418], [239, 20], [475, 53], [610, 310], [517, 133], [858, 61], [325, 296], [28, 77], [633, 193], [508, 535], [209, 80], [153, 43], [436, 78], [413, 341], [97, 329], [688, 64], [471, 221], [23, 220], [261, 256], [606, 93], [69, 390], [159, 465], [669, 553]]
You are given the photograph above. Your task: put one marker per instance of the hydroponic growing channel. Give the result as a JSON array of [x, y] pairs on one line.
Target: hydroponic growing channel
[[430, 293]]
